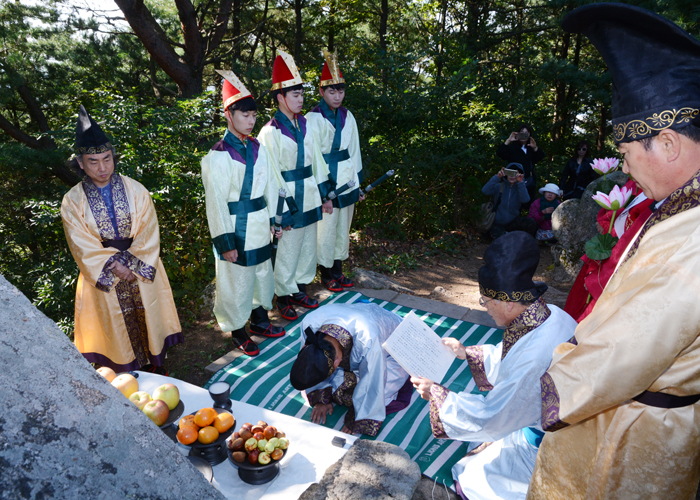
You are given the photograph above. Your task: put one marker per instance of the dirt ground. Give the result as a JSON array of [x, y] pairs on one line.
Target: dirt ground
[[443, 268]]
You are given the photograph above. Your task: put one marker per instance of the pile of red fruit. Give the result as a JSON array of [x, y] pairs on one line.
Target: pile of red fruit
[[258, 444]]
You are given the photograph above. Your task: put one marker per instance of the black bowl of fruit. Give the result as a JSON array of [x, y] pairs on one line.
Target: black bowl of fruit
[[256, 451]]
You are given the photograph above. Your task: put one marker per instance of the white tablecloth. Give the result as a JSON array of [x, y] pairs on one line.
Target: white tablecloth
[[310, 450]]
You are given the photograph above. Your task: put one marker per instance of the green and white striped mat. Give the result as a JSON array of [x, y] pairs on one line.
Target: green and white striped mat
[[264, 381]]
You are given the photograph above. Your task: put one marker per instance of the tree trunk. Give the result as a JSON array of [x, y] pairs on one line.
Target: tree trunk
[[602, 123], [298, 5], [440, 52], [331, 26], [383, 25], [237, 28]]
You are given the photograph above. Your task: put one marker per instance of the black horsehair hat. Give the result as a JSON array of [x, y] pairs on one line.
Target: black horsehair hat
[[654, 65], [314, 364], [510, 263], [89, 137]]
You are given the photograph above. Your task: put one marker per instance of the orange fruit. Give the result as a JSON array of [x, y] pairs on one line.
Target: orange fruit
[[187, 435], [223, 422], [205, 417], [188, 420], [208, 435]]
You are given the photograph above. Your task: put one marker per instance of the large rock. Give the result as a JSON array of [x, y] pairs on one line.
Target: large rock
[[65, 432], [370, 470], [375, 281], [574, 223]]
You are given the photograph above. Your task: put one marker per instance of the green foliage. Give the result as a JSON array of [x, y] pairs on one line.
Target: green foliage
[[433, 97]]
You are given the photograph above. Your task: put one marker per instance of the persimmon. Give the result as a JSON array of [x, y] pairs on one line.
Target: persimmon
[[188, 420], [223, 422], [187, 434], [205, 417], [208, 435]]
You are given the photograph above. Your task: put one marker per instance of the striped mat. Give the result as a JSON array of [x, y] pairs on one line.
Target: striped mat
[[264, 381]]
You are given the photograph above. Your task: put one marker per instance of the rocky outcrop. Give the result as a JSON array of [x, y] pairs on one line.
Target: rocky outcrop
[[375, 281], [65, 432], [574, 223], [370, 470]]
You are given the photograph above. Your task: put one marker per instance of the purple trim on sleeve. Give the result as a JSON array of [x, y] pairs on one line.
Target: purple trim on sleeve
[[137, 266], [475, 358], [343, 395], [321, 396], [403, 398], [550, 405], [366, 426], [438, 394], [105, 281], [573, 340]]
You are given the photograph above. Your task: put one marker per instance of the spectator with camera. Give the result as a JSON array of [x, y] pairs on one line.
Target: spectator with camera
[[578, 172], [520, 147], [510, 193]]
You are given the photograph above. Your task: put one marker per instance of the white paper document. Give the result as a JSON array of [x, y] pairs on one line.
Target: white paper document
[[419, 350]]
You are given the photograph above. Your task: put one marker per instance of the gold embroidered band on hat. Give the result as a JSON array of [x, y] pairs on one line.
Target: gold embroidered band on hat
[[507, 297], [332, 62], [93, 150], [639, 129]]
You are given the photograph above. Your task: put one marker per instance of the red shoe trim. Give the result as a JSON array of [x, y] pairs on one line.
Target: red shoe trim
[[303, 303], [244, 347], [284, 313], [333, 286], [346, 282], [265, 332]]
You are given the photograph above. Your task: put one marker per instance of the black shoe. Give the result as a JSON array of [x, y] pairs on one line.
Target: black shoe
[[242, 341], [268, 330], [303, 300], [286, 309]]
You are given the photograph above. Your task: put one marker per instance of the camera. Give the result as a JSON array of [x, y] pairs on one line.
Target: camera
[[523, 136], [511, 172]]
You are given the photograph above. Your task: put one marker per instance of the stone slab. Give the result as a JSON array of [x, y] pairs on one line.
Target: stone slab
[[480, 318], [65, 432], [433, 306], [388, 295]]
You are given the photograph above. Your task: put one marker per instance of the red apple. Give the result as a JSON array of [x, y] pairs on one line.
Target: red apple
[[168, 393], [253, 456], [157, 411], [264, 458], [280, 434], [140, 398], [237, 444], [270, 432], [259, 436], [262, 423], [256, 429], [277, 454], [247, 425], [246, 434]]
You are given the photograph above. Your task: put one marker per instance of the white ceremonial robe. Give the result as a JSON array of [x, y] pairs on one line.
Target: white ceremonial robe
[[248, 283], [369, 326], [334, 229], [296, 252], [503, 469]]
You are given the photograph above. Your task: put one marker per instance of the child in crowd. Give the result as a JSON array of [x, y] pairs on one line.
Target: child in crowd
[[541, 211]]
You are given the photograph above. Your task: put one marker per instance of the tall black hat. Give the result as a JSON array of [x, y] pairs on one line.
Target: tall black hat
[[510, 263], [653, 63], [89, 137], [314, 363]]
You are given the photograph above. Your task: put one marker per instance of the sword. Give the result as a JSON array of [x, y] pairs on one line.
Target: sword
[[376, 183], [278, 223], [337, 192]]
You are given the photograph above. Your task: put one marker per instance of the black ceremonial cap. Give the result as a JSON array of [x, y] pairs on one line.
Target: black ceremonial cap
[[510, 263], [314, 363], [654, 65], [89, 137]]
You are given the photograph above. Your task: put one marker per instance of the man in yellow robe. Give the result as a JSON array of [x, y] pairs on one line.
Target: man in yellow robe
[[620, 400], [125, 316]]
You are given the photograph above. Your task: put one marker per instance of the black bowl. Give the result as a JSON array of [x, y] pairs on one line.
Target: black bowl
[[257, 473], [222, 437]]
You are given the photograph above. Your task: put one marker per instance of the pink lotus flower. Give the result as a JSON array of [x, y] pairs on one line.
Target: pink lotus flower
[[616, 199], [605, 165]]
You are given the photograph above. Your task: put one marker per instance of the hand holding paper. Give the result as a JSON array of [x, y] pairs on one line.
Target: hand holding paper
[[419, 350]]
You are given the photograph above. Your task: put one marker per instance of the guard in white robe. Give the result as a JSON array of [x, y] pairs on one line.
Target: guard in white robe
[[361, 366], [507, 419], [335, 132], [242, 191], [293, 153]]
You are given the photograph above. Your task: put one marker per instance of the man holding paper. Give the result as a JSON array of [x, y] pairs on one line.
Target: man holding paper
[[342, 362], [510, 371]]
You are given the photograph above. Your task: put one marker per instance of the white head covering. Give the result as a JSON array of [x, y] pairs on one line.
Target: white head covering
[[551, 188]]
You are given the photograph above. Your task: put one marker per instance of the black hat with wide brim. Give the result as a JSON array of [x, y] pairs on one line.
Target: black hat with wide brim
[[510, 263], [89, 137], [653, 63]]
